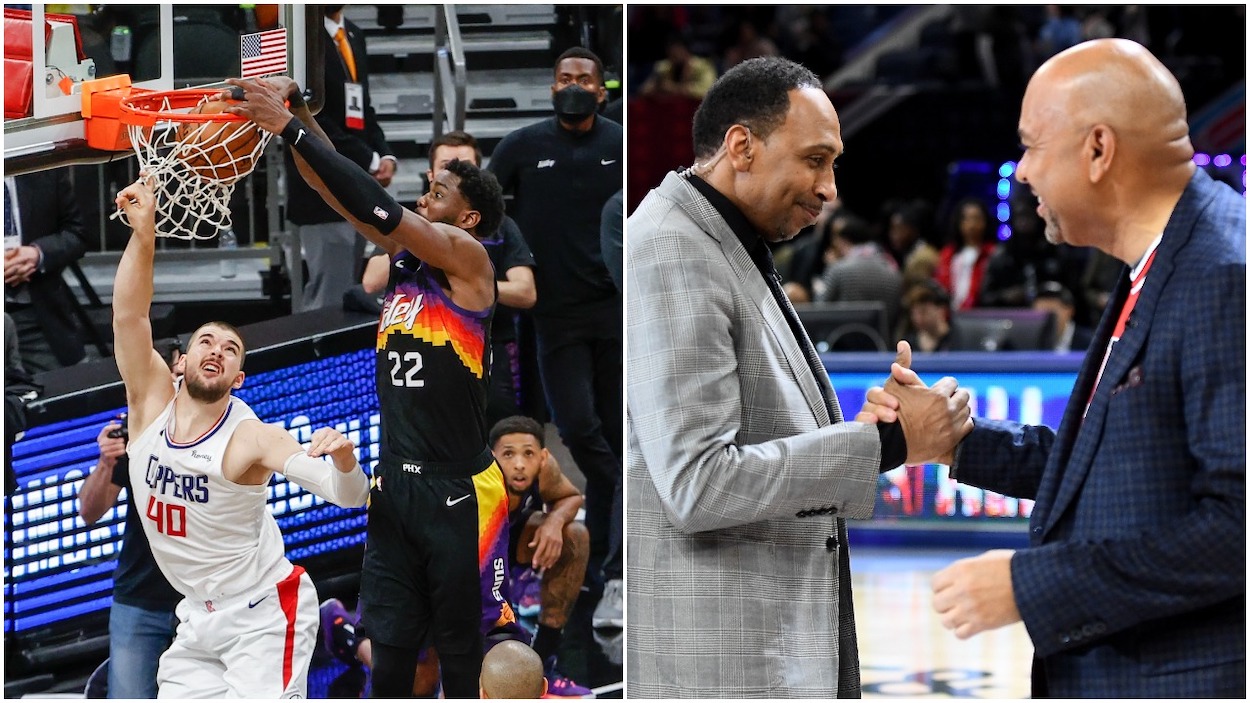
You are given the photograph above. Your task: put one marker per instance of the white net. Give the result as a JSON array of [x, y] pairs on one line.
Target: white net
[[194, 166]]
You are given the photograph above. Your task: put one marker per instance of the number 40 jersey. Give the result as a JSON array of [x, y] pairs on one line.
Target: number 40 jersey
[[433, 368], [211, 537]]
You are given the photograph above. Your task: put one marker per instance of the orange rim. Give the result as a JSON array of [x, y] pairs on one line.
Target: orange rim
[[145, 109]]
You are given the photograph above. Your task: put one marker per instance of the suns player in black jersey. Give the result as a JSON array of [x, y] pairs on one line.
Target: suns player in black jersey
[[436, 558]]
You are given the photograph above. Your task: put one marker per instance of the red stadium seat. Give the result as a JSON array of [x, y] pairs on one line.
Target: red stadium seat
[[18, 57]]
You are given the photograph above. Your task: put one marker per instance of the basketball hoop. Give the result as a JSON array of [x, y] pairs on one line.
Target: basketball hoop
[[193, 153]]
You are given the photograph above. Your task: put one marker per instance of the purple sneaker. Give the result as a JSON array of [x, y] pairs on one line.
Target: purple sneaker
[[338, 628], [527, 589], [561, 686]]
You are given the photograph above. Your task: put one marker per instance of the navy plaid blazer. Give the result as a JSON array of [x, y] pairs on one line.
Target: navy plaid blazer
[[1135, 579]]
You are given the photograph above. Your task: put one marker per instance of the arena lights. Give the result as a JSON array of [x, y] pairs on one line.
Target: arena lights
[[1220, 160], [1006, 174], [1223, 161]]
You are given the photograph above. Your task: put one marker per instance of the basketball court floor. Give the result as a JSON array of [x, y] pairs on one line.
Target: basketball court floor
[[904, 650]]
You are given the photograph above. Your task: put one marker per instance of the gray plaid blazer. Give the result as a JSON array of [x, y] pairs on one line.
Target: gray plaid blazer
[[739, 578]]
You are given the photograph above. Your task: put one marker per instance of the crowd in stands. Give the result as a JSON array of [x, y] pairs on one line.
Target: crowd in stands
[[818, 36], [922, 273], [931, 257]]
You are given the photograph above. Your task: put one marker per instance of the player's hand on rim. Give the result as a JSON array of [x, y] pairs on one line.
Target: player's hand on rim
[[263, 101]]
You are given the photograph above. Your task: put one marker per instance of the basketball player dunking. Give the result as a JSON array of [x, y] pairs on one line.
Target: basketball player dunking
[[200, 463], [436, 559]]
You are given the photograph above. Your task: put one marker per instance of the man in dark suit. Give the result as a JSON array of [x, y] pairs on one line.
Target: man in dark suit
[[330, 245], [1134, 582], [43, 234]]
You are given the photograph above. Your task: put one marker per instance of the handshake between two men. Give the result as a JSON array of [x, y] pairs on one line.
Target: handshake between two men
[[933, 419], [971, 595]]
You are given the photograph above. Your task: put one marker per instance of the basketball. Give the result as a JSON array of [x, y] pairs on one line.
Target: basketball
[[217, 150]]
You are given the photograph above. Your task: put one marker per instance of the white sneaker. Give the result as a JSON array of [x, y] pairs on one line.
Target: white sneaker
[[611, 609]]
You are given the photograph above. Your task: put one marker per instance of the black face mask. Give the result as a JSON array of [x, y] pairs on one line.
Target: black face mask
[[574, 103]]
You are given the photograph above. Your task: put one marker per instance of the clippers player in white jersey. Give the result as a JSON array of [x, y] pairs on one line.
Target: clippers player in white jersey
[[200, 464]]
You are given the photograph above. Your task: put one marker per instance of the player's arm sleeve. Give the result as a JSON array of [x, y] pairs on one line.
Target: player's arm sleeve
[[348, 490], [359, 193]]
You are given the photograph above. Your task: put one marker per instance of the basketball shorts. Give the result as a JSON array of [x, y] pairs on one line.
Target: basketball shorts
[[257, 644], [436, 560]]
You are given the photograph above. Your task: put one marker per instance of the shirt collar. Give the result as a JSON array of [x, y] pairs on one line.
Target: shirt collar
[[1141, 263], [737, 221], [333, 27]]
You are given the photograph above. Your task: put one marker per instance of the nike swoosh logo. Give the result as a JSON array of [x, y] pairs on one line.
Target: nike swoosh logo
[[253, 604], [451, 502], [399, 264], [605, 162], [299, 136]]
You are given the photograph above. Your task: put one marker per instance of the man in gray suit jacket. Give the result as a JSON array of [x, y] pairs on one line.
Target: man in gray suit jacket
[[740, 468]]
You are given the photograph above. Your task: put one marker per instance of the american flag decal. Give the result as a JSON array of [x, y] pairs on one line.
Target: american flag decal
[[263, 53]]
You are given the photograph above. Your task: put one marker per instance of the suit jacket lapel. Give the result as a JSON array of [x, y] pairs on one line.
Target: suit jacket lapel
[[812, 361], [1071, 467], [1071, 425], [710, 221]]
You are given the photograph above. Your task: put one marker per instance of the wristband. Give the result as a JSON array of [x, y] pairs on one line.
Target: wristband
[[293, 131]]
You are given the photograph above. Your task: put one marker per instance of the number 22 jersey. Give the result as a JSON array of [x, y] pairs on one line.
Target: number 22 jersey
[[432, 368]]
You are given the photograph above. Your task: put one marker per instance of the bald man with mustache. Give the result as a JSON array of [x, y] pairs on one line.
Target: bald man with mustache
[[1134, 581]]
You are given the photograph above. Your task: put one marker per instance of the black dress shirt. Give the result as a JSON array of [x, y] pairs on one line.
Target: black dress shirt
[[893, 443]]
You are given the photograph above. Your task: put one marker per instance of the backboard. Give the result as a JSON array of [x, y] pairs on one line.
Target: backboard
[[48, 56]]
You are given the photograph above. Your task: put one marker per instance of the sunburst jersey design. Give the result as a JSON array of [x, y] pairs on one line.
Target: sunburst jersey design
[[417, 308]]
